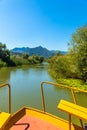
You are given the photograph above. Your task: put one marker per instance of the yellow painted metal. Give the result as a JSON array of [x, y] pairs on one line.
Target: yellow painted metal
[[69, 121], [43, 114], [56, 121], [74, 98], [72, 89], [4, 117], [73, 109], [9, 95]]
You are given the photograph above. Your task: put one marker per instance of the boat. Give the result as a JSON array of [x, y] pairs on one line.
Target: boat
[[28, 118]]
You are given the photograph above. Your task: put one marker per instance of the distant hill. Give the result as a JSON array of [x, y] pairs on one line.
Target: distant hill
[[40, 51]]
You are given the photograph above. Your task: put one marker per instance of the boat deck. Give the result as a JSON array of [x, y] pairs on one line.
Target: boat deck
[[32, 119], [33, 123]]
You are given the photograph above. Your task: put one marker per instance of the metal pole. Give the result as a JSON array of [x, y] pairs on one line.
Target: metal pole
[[9, 95], [43, 101], [74, 98]]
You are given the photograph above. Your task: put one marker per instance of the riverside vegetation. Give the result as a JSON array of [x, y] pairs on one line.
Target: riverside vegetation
[[69, 69], [8, 59]]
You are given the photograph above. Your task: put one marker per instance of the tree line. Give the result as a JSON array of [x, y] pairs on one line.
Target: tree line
[[71, 65], [74, 63], [13, 59]]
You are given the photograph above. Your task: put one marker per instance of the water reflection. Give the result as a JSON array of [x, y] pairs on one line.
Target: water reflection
[[25, 89], [25, 85], [4, 75]]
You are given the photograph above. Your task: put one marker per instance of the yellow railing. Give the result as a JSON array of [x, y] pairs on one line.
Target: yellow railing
[[73, 90], [9, 95]]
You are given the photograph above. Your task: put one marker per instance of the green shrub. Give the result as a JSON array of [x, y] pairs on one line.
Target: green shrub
[[63, 66], [3, 64], [73, 83]]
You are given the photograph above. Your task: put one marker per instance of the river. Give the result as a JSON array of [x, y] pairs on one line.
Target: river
[[25, 89]]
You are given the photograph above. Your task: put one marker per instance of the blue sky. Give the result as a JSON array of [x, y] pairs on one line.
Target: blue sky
[[49, 23]]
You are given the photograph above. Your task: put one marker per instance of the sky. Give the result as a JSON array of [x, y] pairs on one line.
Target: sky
[[46, 23]]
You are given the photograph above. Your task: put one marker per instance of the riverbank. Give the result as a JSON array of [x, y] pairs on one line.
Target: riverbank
[[17, 60], [25, 85], [73, 83]]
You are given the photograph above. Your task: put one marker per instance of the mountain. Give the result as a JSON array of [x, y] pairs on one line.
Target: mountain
[[37, 50]]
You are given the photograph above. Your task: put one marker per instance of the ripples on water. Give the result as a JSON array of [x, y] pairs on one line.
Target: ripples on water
[[25, 89]]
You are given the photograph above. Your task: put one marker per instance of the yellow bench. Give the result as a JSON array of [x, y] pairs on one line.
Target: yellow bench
[[72, 109], [4, 117]]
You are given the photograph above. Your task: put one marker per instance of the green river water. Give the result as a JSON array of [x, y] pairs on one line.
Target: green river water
[[25, 90]]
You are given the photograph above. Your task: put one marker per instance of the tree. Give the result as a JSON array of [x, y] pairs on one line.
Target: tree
[[41, 59], [78, 50], [25, 55], [58, 53], [4, 52], [5, 55]]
